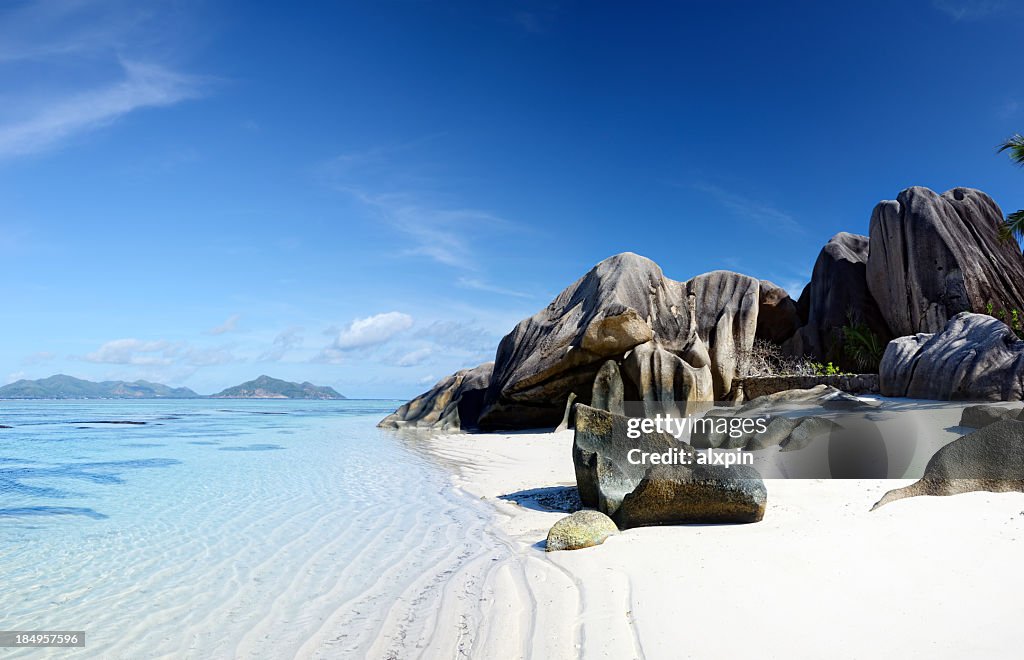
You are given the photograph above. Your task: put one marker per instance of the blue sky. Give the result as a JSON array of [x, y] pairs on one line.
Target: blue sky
[[369, 195]]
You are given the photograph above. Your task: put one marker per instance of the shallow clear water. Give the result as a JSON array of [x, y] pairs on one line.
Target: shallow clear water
[[224, 528]]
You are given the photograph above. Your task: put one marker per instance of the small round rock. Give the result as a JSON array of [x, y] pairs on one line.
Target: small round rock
[[582, 529]]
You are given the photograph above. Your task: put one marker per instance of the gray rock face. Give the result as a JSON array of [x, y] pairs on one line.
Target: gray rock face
[[607, 392], [636, 494], [974, 357], [583, 529], [934, 256], [777, 316], [450, 405], [657, 375], [990, 459], [661, 332], [599, 454], [754, 387], [675, 494], [978, 417], [838, 290], [725, 307]]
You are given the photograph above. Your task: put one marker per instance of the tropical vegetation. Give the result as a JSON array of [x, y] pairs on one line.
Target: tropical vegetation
[[1014, 225]]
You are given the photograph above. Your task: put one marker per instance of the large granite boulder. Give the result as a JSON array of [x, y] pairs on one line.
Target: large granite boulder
[[989, 459], [636, 493], [777, 315], [978, 417], [934, 256], [836, 295], [671, 340], [452, 404], [680, 494], [600, 447], [608, 392], [725, 307], [583, 529], [656, 375], [974, 357]]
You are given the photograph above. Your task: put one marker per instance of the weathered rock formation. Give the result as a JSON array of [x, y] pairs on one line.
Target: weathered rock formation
[[777, 316], [636, 494], [452, 404], [599, 455], [608, 392], [837, 293], [674, 494], [624, 332], [934, 256], [978, 417], [758, 386], [582, 529], [669, 341], [974, 357], [990, 459]]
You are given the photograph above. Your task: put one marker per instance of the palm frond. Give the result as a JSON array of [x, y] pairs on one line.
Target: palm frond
[[1015, 145], [1013, 227]]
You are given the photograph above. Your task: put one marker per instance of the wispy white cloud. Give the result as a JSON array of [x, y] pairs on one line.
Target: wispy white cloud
[[39, 358], [536, 17], [756, 211], [481, 285], [206, 357], [283, 342], [44, 30], [229, 325], [1008, 109], [392, 184], [971, 10], [462, 335], [134, 351], [444, 234], [50, 123], [158, 353]]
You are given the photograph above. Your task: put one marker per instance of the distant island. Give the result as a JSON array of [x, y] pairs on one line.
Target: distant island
[[266, 387], [68, 387]]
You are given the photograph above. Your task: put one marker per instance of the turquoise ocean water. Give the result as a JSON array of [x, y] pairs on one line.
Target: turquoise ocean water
[[224, 529]]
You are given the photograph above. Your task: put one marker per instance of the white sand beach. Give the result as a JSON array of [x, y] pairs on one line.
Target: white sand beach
[[820, 576]]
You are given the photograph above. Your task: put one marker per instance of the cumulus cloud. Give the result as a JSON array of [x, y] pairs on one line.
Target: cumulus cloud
[[371, 331], [414, 358]]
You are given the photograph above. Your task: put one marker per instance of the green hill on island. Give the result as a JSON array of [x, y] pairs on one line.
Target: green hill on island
[[69, 387], [266, 387]]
